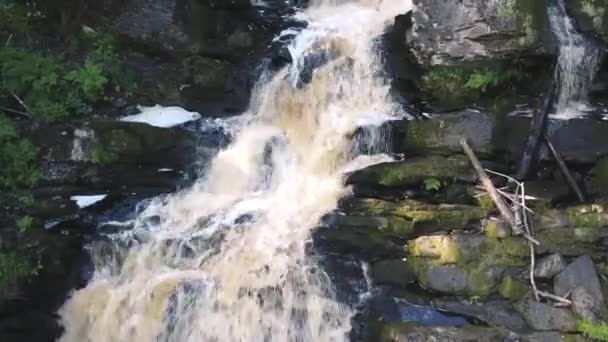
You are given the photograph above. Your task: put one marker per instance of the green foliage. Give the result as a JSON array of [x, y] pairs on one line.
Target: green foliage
[[13, 269], [483, 79], [432, 184], [14, 16], [459, 79], [7, 129], [596, 331], [100, 155], [89, 79], [18, 159], [25, 223]]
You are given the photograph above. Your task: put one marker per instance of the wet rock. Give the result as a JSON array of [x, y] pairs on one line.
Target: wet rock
[[386, 225], [495, 313], [464, 265], [542, 316], [549, 266], [550, 336], [394, 272], [580, 273], [590, 16], [546, 193], [423, 217], [414, 171], [448, 33], [582, 140], [586, 305], [468, 280], [407, 332], [447, 249], [442, 133]]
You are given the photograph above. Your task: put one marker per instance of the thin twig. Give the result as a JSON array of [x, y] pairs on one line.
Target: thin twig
[[16, 112], [564, 169], [8, 41], [27, 109]]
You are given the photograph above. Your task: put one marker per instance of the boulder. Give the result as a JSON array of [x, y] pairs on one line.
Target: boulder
[[442, 133], [549, 266], [460, 248], [580, 273], [591, 16], [395, 272], [445, 33], [586, 305], [495, 313], [542, 316]]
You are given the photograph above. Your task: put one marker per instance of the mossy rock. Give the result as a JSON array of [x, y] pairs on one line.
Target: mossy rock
[[414, 171], [513, 289], [424, 217], [465, 265], [401, 332], [462, 249], [590, 216], [441, 134]]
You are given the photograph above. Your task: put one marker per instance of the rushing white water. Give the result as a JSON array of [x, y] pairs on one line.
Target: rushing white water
[[578, 62], [227, 260]]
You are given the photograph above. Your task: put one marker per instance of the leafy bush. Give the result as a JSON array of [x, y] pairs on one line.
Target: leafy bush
[[18, 160], [449, 80], [49, 90], [596, 331], [13, 268]]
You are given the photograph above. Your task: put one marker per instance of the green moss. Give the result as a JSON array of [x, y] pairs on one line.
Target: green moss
[[596, 331], [99, 154], [587, 216], [416, 171], [511, 289], [422, 134]]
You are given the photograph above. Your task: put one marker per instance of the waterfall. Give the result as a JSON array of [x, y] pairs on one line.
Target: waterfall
[[578, 62], [228, 259]]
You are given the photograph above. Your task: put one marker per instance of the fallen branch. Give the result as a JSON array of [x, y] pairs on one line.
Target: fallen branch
[[16, 97], [537, 128], [564, 169], [504, 210], [14, 111]]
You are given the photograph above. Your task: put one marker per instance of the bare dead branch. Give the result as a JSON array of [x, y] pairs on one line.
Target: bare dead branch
[[564, 169], [504, 210]]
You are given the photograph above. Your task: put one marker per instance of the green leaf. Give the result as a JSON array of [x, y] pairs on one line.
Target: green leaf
[[25, 223], [432, 184]]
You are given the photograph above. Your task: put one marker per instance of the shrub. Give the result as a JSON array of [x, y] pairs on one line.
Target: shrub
[[19, 169], [596, 331], [13, 269]]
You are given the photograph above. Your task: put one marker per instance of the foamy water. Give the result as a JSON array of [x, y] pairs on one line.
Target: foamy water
[[226, 260]]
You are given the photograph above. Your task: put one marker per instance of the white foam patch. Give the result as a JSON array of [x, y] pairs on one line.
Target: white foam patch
[[87, 201], [164, 117]]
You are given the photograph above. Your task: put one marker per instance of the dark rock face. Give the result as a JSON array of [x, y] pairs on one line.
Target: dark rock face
[[591, 16], [542, 316], [451, 32], [200, 54]]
